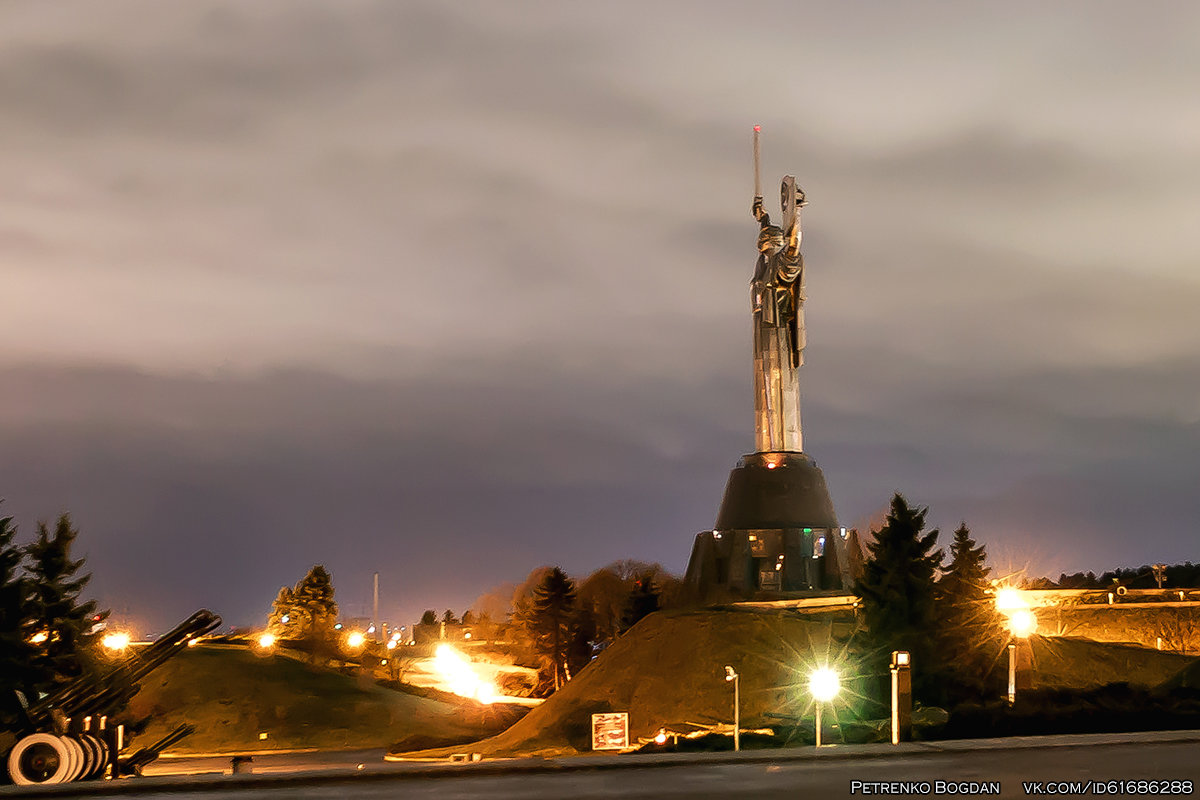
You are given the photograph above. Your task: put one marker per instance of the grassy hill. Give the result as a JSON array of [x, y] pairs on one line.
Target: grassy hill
[[232, 696]]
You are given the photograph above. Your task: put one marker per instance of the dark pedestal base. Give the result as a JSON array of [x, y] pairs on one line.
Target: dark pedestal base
[[776, 535], [776, 490]]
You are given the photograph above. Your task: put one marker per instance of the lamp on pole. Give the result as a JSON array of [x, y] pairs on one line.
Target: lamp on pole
[[730, 675], [1021, 624], [824, 685], [901, 669]]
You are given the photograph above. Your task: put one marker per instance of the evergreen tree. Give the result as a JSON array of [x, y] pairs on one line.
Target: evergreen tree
[[310, 611], [449, 618], [16, 652], [550, 621], [314, 601], [429, 617], [55, 608], [970, 629], [284, 622], [897, 592]]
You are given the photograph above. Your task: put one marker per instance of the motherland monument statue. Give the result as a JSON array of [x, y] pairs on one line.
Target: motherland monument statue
[[776, 533], [777, 303]]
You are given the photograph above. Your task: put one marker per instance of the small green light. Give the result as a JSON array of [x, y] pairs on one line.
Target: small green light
[[808, 530]]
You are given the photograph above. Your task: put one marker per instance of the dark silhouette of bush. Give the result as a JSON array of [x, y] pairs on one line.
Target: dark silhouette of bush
[[1115, 708]]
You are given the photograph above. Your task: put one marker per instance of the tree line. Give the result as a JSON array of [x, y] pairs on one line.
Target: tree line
[[1178, 576], [557, 624]]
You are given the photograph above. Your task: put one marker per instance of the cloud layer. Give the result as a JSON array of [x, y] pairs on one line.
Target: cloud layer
[[451, 291]]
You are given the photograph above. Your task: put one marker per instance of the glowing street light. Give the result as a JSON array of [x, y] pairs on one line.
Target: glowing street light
[[116, 642], [355, 640], [459, 677], [1009, 598], [1022, 623], [823, 684], [266, 641], [731, 675]]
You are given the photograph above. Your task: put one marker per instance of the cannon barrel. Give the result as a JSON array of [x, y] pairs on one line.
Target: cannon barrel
[[134, 763], [91, 694]]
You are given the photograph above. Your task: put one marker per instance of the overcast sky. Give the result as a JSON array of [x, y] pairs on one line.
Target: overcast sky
[[453, 290]]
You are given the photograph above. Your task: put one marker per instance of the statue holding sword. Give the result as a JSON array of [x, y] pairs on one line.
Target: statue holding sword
[[777, 304]]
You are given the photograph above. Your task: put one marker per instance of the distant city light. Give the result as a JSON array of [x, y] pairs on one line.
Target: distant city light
[[39, 637], [355, 640], [661, 738], [266, 641], [193, 642]]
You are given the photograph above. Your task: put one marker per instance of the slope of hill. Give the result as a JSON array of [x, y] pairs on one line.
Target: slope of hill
[[1069, 662], [233, 696], [669, 670]]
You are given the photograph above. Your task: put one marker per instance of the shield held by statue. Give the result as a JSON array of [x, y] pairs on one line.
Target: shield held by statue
[[787, 201]]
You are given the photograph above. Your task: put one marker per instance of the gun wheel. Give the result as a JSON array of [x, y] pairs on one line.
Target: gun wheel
[[99, 756], [40, 758]]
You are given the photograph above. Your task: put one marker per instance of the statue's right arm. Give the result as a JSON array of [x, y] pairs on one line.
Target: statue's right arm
[[758, 212]]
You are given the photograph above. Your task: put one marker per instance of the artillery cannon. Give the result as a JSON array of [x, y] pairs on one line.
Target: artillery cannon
[[64, 736]]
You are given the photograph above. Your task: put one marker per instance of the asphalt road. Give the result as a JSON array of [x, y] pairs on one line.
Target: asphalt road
[[272, 763], [757, 774]]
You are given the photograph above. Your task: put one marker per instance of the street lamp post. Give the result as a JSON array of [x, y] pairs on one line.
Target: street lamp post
[[901, 669], [730, 675], [1012, 673], [824, 684], [1021, 624]]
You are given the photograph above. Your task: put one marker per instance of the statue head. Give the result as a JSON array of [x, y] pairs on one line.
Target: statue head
[[770, 239]]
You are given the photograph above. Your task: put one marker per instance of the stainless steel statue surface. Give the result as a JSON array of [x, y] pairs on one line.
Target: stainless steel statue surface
[[777, 303]]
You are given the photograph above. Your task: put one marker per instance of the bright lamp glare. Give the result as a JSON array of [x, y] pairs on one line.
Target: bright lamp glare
[[458, 677], [1022, 623], [824, 684], [116, 641], [355, 639], [266, 641], [1010, 599]]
